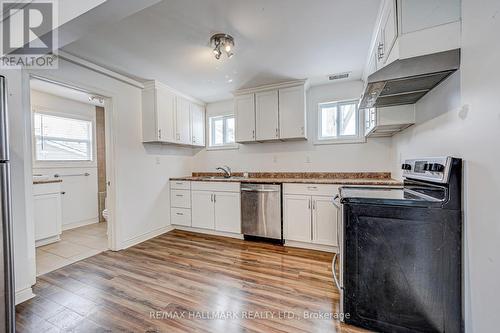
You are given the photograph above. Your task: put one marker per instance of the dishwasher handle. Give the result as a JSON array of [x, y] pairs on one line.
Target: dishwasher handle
[[247, 189]]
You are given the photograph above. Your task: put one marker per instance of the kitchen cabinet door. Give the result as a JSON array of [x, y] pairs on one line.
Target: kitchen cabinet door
[[389, 27], [324, 221], [48, 215], [202, 210], [198, 125], [182, 121], [266, 115], [292, 113], [244, 109], [227, 212], [297, 217], [165, 108]]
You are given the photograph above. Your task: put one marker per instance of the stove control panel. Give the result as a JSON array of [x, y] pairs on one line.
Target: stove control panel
[[435, 169]]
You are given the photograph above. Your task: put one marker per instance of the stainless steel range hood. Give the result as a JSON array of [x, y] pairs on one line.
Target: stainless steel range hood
[[405, 81]]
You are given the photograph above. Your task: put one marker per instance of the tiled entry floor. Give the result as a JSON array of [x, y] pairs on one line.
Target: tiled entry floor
[[75, 244]]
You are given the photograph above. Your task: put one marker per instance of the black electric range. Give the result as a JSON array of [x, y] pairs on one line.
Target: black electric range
[[400, 255]]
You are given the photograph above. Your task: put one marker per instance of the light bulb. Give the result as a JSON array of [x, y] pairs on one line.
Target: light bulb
[[228, 47]]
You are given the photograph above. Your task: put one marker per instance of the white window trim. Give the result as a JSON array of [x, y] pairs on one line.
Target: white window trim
[[359, 138], [229, 146], [40, 164]]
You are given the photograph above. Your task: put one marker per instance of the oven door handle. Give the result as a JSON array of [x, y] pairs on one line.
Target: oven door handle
[[334, 273]]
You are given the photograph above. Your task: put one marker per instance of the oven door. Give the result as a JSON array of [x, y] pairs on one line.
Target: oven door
[[339, 256]]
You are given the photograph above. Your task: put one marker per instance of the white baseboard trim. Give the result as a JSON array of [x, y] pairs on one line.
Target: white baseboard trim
[[79, 224], [208, 231], [309, 246], [23, 295], [144, 237], [47, 241]]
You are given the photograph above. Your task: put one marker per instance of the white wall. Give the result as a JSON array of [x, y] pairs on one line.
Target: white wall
[[142, 171], [470, 129], [374, 155], [80, 199]]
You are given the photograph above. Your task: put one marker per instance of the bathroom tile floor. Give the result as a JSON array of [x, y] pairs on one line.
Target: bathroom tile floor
[[75, 245]]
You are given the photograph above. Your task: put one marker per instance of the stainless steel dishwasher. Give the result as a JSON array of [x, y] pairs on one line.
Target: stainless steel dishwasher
[[261, 212]]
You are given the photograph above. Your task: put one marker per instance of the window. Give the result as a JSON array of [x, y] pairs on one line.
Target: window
[[222, 131], [339, 121], [62, 139]]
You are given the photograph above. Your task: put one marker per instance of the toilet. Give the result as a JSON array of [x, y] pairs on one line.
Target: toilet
[[105, 212]]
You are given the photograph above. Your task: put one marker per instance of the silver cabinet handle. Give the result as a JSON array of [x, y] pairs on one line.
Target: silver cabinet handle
[[215, 198], [312, 187], [179, 195], [309, 204], [314, 204], [253, 134], [334, 273], [179, 213], [277, 133], [380, 50]]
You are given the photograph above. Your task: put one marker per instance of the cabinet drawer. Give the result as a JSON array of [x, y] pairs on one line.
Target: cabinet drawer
[[180, 198], [180, 185], [216, 186], [181, 216], [50, 188], [311, 189]]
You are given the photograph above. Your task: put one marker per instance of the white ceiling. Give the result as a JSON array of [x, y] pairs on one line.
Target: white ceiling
[[276, 40]]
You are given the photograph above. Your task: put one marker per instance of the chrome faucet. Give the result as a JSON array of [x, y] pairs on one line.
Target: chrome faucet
[[226, 170]]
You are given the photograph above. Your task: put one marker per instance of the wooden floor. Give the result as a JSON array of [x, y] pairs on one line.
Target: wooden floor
[[186, 282]]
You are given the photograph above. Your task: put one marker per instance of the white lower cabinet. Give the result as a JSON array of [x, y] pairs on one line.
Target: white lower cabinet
[[227, 212], [203, 210], [310, 218], [297, 214], [216, 207], [47, 213], [324, 221]]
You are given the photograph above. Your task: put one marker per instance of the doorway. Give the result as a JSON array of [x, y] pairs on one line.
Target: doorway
[[69, 150]]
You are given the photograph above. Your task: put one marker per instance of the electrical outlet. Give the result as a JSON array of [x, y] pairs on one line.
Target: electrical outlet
[[158, 161], [275, 159], [308, 159]]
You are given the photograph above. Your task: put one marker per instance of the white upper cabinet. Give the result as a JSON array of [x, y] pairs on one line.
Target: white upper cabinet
[[292, 118], [409, 28], [168, 117], [273, 112], [266, 115], [182, 121], [158, 114], [244, 109], [198, 125]]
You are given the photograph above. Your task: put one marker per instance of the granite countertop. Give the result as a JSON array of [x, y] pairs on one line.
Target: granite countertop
[[47, 181], [343, 178]]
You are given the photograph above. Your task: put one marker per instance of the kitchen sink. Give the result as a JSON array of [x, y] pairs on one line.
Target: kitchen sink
[[221, 177]]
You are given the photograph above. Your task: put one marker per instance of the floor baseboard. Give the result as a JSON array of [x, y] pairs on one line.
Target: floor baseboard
[[144, 237], [24, 294], [79, 224]]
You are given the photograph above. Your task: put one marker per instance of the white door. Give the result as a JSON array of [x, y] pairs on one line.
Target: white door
[[227, 212], [244, 110], [324, 221], [297, 217], [198, 124], [48, 215], [202, 210], [266, 115], [165, 109], [182, 121], [292, 113]]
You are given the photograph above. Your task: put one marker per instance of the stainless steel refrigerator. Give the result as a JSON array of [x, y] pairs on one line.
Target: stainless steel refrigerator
[[7, 312]]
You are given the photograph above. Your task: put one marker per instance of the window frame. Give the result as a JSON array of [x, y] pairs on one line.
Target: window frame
[[211, 132], [62, 163], [359, 137]]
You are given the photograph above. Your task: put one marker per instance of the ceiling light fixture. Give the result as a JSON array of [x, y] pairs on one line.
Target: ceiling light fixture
[[222, 43]]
